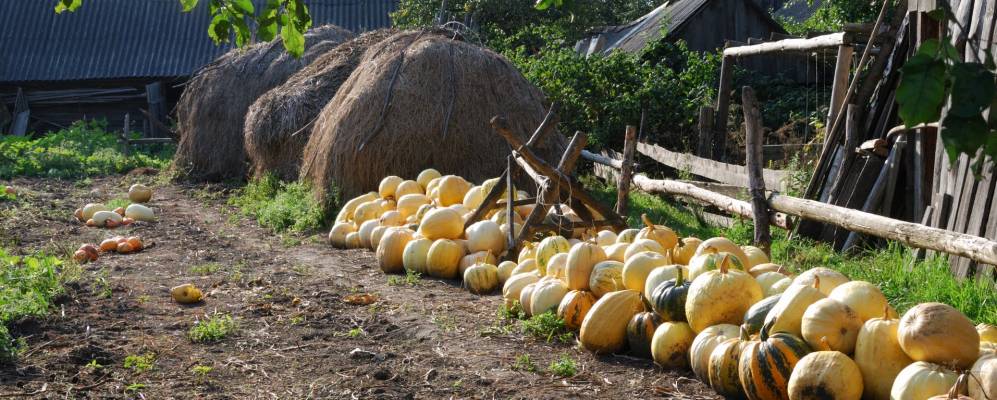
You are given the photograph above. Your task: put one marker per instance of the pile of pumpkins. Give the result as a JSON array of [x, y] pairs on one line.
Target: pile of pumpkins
[[747, 327], [99, 215]]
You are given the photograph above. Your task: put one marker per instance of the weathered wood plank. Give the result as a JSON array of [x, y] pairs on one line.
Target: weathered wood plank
[[753, 163], [626, 173], [714, 170]]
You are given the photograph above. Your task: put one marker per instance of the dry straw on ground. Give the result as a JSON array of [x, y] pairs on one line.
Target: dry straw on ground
[[213, 107], [421, 100], [279, 123]]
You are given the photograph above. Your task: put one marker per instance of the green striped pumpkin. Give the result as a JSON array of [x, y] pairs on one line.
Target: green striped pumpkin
[[668, 299], [765, 365], [722, 372], [640, 331], [755, 317]]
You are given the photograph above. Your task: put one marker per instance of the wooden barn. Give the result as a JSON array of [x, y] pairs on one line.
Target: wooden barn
[[117, 57]]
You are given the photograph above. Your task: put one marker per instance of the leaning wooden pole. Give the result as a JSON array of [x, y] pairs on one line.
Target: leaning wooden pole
[[756, 180], [626, 173], [726, 203]]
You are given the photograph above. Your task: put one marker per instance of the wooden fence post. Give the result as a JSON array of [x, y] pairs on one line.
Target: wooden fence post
[[124, 136], [626, 173], [705, 148], [723, 107], [759, 205]]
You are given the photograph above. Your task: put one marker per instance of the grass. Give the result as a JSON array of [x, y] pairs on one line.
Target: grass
[[206, 268], [212, 328], [524, 363], [281, 206], [118, 202], [411, 278], [928, 280], [564, 367], [547, 326], [140, 363], [28, 285], [83, 149]]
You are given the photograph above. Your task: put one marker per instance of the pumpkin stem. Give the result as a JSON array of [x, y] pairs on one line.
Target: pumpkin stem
[[886, 312], [647, 222], [745, 336], [824, 346], [959, 387], [816, 282], [679, 279], [764, 333], [723, 263]]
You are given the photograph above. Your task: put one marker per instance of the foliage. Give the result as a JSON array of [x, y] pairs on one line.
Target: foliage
[[141, 363], [411, 278], [830, 16], [232, 19], [280, 206], [28, 286], [547, 326], [83, 149], [513, 312], [564, 367], [212, 328], [524, 363]]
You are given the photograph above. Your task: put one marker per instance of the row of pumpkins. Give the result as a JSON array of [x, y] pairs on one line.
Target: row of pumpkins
[[747, 327]]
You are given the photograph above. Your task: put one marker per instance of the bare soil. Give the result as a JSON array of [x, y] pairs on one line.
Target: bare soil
[[297, 337]]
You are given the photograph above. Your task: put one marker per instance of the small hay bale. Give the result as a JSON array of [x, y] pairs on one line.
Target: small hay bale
[[278, 124], [212, 109], [420, 100]]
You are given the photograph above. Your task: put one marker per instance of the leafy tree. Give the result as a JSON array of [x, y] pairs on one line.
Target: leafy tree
[[233, 19]]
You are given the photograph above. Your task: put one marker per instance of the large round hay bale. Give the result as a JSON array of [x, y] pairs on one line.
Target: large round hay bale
[[421, 100], [212, 109], [278, 124]]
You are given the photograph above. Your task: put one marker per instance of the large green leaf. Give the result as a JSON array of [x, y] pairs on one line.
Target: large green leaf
[[963, 134], [294, 41], [972, 89], [220, 28], [67, 5], [921, 90], [245, 6], [188, 5]]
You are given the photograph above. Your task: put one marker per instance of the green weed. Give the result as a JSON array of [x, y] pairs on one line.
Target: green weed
[[212, 328], [140, 363], [411, 278], [547, 326], [118, 202], [206, 268], [201, 371], [135, 387], [563, 367], [513, 312], [524, 363], [280, 206], [28, 285]]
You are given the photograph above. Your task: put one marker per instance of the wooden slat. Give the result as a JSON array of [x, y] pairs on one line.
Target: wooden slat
[[714, 170], [977, 215]]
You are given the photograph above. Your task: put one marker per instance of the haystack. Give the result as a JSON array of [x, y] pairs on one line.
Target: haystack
[[420, 100], [279, 123], [212, 109]]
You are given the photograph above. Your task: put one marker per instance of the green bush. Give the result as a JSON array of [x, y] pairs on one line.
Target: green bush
[[83, 149], [281, 206], [27, 286]]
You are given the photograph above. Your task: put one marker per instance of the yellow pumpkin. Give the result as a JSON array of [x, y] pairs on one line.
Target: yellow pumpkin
[[337, 235], [353, 240], [720, 297], [604, 329], [451, 190], [864, 298], [606, 277], [573, 308], [367, 211], [516, 227], [377, 234], [662, 274], [988, 333], [406, 188], [346, 213], [638, 267], [787, 315], [825, 374], [557, 265], [386, 204], [659, 233], [526, 296], [388, 185], [415, 254], [879, 356], [671, 343], [423, 210], [922, 380], [528, 252], [641, 245], [582, 259], [627, 236], [473, 198], [365, 231], [408, 205], [605, 238], [526, 266], [138, 193], [616, 251], [703, 345], [441, 223], [513, 287], [768, 267], [940, 334], [829, 279], [722, 365], [831, 321], [505, 270], [685, 249], [547, 295], [484, 257], [481, 278], [547, 248], [722, 244], [711, 262], [443, 259], [755, 256], [425, 176], [983, 382], [392, 248]]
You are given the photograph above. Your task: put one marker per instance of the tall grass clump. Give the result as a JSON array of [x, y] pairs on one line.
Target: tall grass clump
[[28, 286], [281, 206]]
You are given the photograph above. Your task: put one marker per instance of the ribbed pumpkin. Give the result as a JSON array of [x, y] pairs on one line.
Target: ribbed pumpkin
[[337, 235], [662, 274], [671, 343], [528, 252], [637, 268], [768, 279], [769, 267], [922, 380], [547, 248], [755, 255], [513, 287], [864, 298], [557, 266], [443, 259], [829, 279], [582, 259], [605, 238], [366, 229], [606, 277], [415, 254], [573, 308], [485, 257], [604, 329], [616, 251], [388, 185], [879, 356], [831, 321], [668, 299], [825, 374], [367, 211], [658, 233], [722, 372], [988, 333], [353, 240], [642, 245], [983, 383], [408, 205], [685, 249], [481, 278], [787, 315], [627, 236], [640, 332], [441, 223], [722, 244], [699, 264], [755, 317], [526, 297], [505, 270], [485, 236], [703, 345], [547, 296], [765, 365], [392, 248], [940, 334], [407, 187], [451, 190], [378, 234], [720, 297], [346, 213]]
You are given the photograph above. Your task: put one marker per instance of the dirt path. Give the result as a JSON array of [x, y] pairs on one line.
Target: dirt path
[[296, 336]]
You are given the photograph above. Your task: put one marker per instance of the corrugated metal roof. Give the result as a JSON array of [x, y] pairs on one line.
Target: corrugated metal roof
[[134, 38]]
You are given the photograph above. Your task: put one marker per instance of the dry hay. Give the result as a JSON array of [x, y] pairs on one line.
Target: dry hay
[[279, 123], [419, 100], [213, 107]]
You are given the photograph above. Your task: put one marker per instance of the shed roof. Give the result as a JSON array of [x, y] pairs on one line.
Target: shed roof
[[108, 39]]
